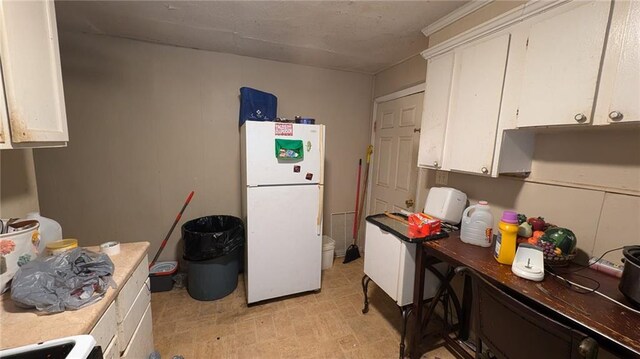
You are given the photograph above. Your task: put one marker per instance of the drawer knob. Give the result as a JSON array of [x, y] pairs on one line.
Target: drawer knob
[[580, 117], [615, 115], [484, 170]]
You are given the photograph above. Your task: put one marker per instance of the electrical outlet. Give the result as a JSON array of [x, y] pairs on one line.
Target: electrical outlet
[[442, 177]]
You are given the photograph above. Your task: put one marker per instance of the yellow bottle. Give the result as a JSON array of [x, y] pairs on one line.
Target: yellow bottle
[[505, 248]]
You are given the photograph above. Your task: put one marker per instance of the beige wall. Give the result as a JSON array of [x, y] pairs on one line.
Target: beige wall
[[403, 75], [18, 191], [476, 18], [148, 123], [582, 190]]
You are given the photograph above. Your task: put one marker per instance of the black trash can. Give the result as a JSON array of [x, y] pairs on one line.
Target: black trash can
[[212, 246]]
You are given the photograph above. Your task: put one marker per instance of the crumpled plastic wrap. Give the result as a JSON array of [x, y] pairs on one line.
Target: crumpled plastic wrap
[[69, 280]]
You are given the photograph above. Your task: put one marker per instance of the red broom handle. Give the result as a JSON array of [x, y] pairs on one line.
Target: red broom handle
[[355, 220], [164, 242]]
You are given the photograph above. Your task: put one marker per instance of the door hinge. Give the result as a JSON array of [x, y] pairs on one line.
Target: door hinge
[[517, 112], [527, 45], [416, 130]]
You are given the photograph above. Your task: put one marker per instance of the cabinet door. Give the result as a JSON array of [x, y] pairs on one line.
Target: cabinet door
[[435, 110], [564, 49], [31, 69], [624, 103], [476, 95], [3, 114]]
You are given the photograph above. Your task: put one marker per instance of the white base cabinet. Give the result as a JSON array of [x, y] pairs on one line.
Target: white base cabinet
[[125, 329], [390, 263]]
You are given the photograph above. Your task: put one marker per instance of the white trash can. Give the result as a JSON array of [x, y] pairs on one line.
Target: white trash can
[[328, 248]]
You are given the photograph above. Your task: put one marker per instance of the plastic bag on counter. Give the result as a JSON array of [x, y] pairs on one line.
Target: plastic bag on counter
[[69, 280]]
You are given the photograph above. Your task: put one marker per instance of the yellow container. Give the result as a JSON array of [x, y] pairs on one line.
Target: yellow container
[[63, 245], [505, 249]]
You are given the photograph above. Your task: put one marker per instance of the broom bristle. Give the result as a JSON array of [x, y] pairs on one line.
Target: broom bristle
[[352, 254]]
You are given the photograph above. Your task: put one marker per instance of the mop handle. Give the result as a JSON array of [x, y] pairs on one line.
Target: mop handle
[[355, 220], [164, 242]]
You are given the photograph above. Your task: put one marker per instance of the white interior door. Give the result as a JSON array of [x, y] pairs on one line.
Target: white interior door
[[395, 152]]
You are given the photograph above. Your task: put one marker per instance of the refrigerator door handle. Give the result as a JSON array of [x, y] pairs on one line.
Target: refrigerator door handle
[[321, 144], [320, 209]]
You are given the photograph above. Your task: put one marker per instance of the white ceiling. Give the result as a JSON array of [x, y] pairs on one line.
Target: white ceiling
[[361, 36]]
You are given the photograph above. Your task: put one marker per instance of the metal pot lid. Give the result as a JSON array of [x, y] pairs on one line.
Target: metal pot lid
[[632, 254]]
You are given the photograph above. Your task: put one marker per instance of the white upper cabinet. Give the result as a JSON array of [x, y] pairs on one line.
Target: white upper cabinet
[[619, 92], [435, 110], [32, 80], [562, 62], [477, 93]]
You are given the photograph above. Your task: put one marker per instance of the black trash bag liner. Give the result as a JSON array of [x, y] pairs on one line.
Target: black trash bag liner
[[211, 237], [69, 280]]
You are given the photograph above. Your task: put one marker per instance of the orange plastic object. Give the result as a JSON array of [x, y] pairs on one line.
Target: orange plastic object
[[422, 225]]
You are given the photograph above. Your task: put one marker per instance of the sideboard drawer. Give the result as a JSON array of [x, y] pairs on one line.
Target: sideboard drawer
[[130, 291], [106, 328]]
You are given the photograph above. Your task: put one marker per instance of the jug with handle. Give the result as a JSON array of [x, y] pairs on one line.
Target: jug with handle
[[477, 225]]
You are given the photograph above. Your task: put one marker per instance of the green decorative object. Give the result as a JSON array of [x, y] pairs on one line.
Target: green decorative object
[[563, 238], [289, 150]]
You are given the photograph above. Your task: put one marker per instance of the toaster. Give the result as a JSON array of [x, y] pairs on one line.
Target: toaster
[[446, 204]]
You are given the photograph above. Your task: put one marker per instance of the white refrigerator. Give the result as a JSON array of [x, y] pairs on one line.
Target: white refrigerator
[[282, 184]]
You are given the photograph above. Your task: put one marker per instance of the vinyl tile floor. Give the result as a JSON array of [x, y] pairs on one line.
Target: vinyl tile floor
[[324, 324]]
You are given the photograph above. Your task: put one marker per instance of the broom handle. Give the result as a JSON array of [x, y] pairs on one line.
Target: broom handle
[[355, 219], [397, 218], [164, 242], [364, 191]]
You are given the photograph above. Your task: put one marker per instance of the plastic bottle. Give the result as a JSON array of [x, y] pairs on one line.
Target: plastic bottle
[[50, 230], [477, 224], [505, 248]]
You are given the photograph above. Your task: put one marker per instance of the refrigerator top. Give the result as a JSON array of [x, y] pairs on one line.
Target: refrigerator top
[[282, 153]]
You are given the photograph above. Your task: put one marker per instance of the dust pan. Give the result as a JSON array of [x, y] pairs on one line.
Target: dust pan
[[352, 254]]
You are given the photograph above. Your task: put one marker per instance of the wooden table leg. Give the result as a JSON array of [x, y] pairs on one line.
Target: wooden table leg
[[465, 319], [418, 291]]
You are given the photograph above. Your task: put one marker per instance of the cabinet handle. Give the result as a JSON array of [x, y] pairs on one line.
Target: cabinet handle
[[435, 164], [484, 170], [615, 115], [580, 117]]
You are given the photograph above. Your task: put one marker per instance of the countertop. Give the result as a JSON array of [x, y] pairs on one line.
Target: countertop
[[613, 326], [20, 327]]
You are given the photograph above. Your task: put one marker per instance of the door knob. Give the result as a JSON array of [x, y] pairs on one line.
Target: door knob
[[435, 164], [484, 170], [409, 203], [615, 115]]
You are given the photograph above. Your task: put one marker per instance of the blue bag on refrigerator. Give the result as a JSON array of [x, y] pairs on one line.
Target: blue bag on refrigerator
[[256, 105]]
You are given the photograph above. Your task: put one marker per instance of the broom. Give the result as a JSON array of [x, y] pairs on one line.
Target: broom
[[352, 252]]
